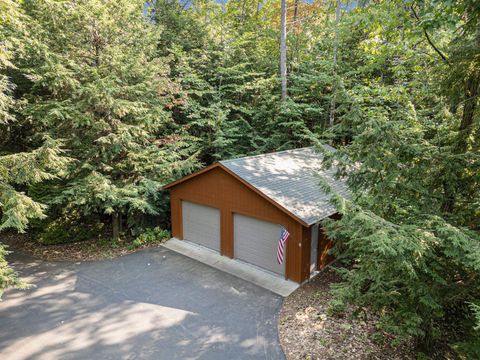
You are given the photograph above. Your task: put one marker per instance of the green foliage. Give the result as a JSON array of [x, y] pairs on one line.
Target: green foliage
[[19, 169], [179, 27], [286, 124], [8, 277], [469, 346], [150, 236], [24, 169], [410, 234], [140, 95], [69, 230], [429, 268], [208, 109], [97, 83], [476, 313], [12, 22]]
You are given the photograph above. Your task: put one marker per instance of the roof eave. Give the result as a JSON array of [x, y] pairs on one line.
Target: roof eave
[[188, 177], [316, 221], [246, 183]]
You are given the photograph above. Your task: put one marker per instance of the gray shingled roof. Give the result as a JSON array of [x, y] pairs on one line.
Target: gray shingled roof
[[291, 179]]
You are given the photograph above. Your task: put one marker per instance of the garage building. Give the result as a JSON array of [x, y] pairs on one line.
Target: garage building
[[237, 207]]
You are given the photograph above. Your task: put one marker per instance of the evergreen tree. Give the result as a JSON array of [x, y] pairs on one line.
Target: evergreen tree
[[18, 170], [413, 260], [141, 93], [215, 107], [97, 83], [214, 86]]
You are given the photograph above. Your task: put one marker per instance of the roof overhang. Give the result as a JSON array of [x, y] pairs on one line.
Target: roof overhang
[[188, 177], [247, 184]]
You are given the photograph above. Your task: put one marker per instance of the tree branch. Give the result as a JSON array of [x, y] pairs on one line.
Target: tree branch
[[444, 58]]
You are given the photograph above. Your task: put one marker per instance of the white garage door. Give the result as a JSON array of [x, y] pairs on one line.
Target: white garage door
[[255, 241], [201, 225]]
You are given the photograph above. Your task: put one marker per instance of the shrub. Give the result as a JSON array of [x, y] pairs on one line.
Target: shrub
[[149, 236], [62, 231]]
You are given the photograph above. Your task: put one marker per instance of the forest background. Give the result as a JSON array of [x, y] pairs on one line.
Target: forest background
[[104, 102]]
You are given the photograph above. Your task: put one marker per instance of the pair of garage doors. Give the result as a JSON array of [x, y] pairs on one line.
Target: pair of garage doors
[[255, 241]]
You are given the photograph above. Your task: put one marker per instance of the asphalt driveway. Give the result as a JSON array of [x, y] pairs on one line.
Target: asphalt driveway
[[154, 304]]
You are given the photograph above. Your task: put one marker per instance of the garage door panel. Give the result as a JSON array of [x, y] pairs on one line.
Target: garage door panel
[[201, 225], [256, 241]]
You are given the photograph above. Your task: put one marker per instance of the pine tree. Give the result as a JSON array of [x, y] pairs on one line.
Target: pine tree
[[214, 106], [18, 170], [97, 83], [283, 49], [214, 85], [22, 168], [414, 263]]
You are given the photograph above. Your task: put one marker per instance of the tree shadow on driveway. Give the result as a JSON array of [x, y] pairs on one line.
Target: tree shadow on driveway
[[154, 304]]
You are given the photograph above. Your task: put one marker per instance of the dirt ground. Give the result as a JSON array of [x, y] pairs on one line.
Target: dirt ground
[[308, 331], [89, 250]]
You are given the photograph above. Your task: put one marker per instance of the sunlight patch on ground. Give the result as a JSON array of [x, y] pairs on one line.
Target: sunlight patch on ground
[[113, 325]]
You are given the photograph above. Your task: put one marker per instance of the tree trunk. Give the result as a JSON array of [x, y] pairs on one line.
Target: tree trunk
[[222, 26], [296, 51], [283, 49], [470, 104], [116, 226], [337, 20], [472, 91], [472, 86], [295, 13], [335, 55], [97, 44]]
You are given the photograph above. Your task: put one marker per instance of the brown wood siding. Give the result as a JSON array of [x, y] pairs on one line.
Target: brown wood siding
[[219, 189], [176, 214], [306, 251], [324, 246]]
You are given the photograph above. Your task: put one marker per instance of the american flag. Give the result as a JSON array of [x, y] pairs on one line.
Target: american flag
[[284, 234]]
